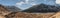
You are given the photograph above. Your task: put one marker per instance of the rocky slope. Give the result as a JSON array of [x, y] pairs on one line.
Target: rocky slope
[[3, 11]]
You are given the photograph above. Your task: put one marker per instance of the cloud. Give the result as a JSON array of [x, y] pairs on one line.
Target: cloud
[[20, 3], [26, 1], [33, 4], [57, 1]]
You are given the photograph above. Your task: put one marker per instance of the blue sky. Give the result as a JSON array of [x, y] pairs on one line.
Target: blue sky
[[9, 2], [24, 4]]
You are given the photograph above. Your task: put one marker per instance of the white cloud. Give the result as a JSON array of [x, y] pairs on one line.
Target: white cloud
[[57, 1], [28, 2], [33, 4], [20, 3]]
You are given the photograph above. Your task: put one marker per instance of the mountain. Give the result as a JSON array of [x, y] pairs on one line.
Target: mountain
[[42, 8], [13, 8]]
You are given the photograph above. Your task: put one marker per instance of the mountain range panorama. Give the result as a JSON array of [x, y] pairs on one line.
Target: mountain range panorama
[[43, 8], [36, 8]]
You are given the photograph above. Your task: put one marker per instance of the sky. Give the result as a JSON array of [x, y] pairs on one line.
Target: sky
[[9, 2], [58, 1], [25, 4]]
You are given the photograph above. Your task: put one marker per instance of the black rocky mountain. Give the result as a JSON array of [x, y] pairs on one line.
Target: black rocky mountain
[[42, 8]]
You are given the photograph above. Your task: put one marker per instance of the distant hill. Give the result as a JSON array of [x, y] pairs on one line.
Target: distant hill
[[42, 8], [13, 8], [2, 8]]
